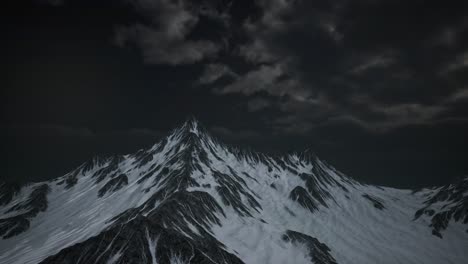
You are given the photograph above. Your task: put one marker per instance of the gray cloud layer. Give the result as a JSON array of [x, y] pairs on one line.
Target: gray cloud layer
[[164, 39], [366, 84], [351, 62], [377, 64]]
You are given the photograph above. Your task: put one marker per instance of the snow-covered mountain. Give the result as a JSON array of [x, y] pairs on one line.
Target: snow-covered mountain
[[193, 199]]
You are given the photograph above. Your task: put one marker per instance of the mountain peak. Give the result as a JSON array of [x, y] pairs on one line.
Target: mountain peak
[[190, 198], [192, 125]]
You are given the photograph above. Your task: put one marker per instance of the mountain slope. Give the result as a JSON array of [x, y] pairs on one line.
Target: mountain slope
[[192, 199]]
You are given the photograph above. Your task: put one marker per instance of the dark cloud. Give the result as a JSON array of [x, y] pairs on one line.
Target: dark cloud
[[164, 39], [459, 63], [366, 84], [352, 61], [257, 104], [164, 48], [369, 63], [271, 79], [214, 72]]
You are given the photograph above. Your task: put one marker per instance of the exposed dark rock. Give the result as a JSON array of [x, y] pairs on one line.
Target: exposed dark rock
[[13, 226], [281, 163], [301, 195], [453, 195], [317, 185], [250, 177], [292, 170], [179, 220], [72, 179], [440, 222], [428, 212], [36, 202], [109, 168], [197, 208], [323, 176], [231, 188], [318, 252], [91, 164], [375, 201], [213, 152], [143, 159], [151, 172], [160, 147], [8, 191], [315, 188], [142, 240], [113, 185], [289, 211]]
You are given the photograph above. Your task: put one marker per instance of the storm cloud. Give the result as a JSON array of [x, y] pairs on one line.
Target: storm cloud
[[377, 88]]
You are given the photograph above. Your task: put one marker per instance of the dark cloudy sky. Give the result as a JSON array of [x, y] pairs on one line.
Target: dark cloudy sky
[[377, 88]]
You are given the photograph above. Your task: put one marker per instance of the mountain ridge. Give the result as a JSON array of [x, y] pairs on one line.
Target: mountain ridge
[[192, 198]]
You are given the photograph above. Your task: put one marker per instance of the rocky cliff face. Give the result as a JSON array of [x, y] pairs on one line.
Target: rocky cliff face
[[193, 199]]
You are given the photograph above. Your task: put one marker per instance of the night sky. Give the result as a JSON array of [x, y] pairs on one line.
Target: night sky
[[377, 88]]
